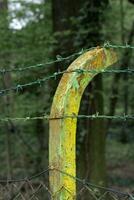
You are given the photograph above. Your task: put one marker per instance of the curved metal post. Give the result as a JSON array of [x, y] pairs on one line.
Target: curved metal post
[[62, 138]]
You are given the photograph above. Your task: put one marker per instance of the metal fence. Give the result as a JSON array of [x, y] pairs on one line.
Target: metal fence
[[36, 187]]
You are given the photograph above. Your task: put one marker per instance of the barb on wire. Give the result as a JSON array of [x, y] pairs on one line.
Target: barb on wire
[[48, 117]]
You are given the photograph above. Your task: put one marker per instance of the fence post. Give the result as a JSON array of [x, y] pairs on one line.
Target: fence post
[[62, 138]]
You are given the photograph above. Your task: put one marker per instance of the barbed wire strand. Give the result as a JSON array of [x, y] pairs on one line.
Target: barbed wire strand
[[42, 65], [114, 46], [20, 87], [59, 58], [48, 117]]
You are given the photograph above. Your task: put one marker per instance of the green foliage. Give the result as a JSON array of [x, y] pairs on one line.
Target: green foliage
[[120, 160], [35, 43]]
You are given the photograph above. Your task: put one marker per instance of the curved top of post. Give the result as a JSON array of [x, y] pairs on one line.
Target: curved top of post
[[97, 59], [99, 55]]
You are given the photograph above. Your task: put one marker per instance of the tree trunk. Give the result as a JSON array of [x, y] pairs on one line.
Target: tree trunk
[[96, 136], [92, 150], [42, 137], [124, 135], [62, 12], [7, 99]]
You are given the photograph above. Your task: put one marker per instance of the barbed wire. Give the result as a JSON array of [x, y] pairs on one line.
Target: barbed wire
[[59, 58], [20, 87], [42, 65], [48, 117], [114, 46], [83, 182]]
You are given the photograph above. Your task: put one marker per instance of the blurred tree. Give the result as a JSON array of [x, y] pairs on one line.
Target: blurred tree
[[126, 60], [93, 146], [131, 1], [62, 14], [6, 80], [3, 5], [63, 31]]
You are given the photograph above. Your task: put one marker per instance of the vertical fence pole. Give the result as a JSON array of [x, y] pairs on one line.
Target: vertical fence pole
[[66, 102]]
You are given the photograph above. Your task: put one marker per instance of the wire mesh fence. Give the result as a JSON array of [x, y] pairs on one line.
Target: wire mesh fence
[[37, 187]]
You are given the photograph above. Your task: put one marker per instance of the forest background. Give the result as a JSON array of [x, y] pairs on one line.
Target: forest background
[[35, 32]]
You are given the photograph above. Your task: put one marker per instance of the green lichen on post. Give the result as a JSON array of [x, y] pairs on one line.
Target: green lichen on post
[[66, 102]]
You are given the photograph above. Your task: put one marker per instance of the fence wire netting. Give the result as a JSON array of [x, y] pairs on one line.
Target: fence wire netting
[[37, 187]]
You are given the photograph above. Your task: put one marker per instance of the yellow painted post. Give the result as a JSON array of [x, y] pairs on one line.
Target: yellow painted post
[[62, 138]]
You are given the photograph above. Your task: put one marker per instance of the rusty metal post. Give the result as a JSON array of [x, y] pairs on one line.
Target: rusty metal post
[[62, 138]]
